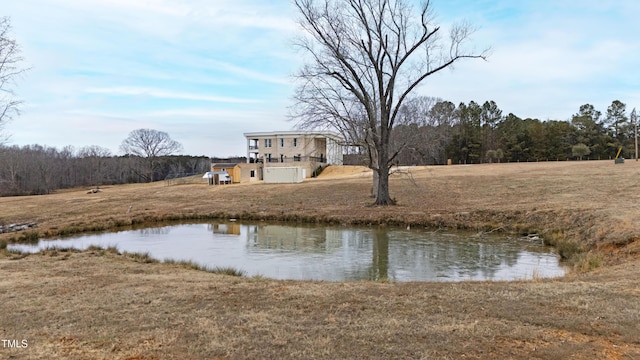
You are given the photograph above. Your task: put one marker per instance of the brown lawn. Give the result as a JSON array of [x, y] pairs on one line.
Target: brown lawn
[[99, 304]]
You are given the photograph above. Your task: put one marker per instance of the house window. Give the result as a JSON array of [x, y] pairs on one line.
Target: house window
[[252, 173], [295, 142], [281, 142], [267, 143]]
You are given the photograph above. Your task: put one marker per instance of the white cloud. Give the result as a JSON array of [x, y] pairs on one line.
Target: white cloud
[[549, 57], [165, 94], [209, 70]]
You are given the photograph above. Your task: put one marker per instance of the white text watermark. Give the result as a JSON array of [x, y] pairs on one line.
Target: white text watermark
[[14, 343]]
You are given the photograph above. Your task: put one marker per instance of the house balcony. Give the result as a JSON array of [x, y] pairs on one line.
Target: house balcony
[[290, 160], [295, 159]]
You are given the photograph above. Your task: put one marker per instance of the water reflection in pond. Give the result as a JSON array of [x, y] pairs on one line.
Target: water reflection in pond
[[332, 253]]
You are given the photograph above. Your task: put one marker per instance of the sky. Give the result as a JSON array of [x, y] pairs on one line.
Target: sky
[[207, 71]]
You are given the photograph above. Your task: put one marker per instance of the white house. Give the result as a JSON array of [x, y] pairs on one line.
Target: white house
[[309, 150]]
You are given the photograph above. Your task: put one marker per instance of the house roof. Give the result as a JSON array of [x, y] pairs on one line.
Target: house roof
[[225, 165], [210, 174], [316, 134]]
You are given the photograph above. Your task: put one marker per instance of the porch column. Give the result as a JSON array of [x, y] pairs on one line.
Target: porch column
[[248, 150]]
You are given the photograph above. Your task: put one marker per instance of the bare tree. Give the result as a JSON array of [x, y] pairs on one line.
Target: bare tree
[[149, 145], [366, 57], [95, 159], [10, 68]]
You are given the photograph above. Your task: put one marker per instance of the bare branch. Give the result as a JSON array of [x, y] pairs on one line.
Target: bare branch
[[149, 145], [367, 57], [10, 68]]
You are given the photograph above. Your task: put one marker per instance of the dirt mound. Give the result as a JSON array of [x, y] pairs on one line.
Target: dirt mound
[[332, 171]]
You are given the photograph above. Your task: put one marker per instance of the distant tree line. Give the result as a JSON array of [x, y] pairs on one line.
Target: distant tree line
[[37, 169], [430, 132], [433, 131]]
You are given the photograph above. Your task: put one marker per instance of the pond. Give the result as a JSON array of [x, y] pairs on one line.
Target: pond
[[331, 253]]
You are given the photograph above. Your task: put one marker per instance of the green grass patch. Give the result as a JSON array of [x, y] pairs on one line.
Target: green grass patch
[[221, 270], [588, 261], [28, 237], [185, 264], [15, 254], [143, 257], [567, 248], [227, 271], [102, 251]]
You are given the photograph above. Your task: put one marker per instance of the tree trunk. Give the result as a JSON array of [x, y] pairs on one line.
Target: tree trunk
[[382, 196], [382, 168], [374, 187], [373, 164]]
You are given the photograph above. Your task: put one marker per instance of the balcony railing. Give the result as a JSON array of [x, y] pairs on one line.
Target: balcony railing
[[294, 159]]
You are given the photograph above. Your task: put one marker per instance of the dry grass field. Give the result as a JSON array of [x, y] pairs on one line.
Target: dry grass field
[[99, 304]]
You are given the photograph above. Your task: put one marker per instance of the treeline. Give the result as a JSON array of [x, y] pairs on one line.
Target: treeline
[[432, 131], [36, 169], [429, 132]]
